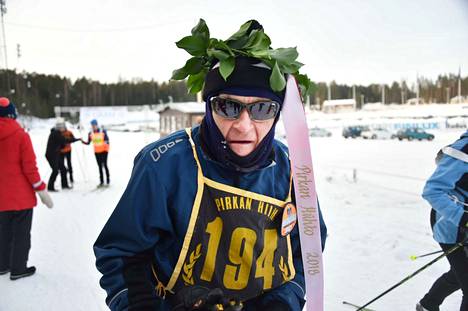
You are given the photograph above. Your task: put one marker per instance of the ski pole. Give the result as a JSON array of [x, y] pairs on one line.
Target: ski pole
[[449, 251], [413, 257]]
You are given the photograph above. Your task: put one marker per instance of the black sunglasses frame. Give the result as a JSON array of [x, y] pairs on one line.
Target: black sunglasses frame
[[249, 107]]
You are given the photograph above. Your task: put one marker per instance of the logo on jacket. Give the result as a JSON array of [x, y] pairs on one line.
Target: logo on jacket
[[160, 150]]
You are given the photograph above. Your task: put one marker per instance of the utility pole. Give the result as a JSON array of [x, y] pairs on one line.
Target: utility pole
[[329, 91], [354, 96], [404, 96], [383, 94], [417, 89], [18, 55], [3, 11], [448, 94], [459, 85]]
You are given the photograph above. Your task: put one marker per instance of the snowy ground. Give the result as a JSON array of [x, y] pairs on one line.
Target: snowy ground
[[375, 223]]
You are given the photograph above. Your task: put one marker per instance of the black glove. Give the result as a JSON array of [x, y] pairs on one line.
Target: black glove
[[463, 232], [464, 226], [276, 306], [203, 299]]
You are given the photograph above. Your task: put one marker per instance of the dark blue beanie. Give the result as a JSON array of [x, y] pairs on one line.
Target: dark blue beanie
[[7, 109]]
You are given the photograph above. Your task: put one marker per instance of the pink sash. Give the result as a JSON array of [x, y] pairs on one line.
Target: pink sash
[[306, 197]]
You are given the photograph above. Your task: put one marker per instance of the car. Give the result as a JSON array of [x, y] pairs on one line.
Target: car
[[378, 133], [319, 132], [413, 133], [353, 131]]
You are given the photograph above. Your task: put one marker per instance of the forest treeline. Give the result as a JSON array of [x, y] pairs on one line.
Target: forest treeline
[[37, 94]]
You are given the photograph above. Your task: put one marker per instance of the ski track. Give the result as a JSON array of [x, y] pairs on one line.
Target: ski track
[[375, 223]]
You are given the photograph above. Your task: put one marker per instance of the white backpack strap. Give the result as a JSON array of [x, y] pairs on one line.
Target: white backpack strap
[[455, 153]]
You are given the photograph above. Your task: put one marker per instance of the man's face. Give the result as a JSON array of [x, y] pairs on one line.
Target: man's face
[[243, 135]]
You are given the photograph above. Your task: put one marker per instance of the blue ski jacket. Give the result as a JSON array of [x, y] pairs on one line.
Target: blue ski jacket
[[148, 225], [446, 190]]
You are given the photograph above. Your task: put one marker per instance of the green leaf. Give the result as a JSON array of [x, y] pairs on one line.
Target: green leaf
[[290, 67], [195, 82], [179, 74], [284, 55], [194, 65], [258, 41], [242, 32], [226, 67], [261, 54], [305, 83], [221, 55], [194, 45], [277, 81], [201, 30], [240, 38], [221, 45]]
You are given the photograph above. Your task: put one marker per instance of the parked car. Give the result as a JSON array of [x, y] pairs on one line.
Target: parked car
[[378, 133], [413, 133], [353, 131], [319, 132]]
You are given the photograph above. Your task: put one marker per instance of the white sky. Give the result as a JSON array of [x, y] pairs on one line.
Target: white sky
[[360, 41]]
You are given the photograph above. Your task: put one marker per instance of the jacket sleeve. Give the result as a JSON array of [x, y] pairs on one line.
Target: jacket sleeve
[[439, 188], [106, 138], [28, 161], [292, 293], [123, 248], [89, 139], [72, 138]]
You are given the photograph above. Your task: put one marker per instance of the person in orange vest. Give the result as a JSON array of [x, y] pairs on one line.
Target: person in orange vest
[[65, 155], [55, 143], [100, 140]]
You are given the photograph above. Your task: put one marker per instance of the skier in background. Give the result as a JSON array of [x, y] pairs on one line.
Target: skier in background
[[100, 140], [55, 143], [447, 192], [65, 154], [20, 181]]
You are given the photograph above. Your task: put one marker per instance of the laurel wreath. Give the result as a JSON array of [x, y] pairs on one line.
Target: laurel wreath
[[187, 274], [255, 43]]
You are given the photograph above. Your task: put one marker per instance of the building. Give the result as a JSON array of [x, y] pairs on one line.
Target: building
[[339, 105], [415, 101], [459, 100], [176, 116]]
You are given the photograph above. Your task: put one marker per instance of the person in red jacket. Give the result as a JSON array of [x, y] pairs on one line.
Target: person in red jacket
[[20, 182]]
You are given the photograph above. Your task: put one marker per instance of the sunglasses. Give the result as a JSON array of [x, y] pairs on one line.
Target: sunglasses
[[231, 109]]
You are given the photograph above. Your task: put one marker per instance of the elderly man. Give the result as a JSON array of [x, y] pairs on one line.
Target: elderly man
[[199, 225]]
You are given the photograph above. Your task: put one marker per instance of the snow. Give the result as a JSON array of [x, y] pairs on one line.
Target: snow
[[375, 222], [189, 107]]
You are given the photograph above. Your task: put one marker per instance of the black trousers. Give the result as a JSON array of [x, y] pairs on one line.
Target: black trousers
[[456, 278], [101, 159], [56, 164], [66, 158], [15, 240]]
